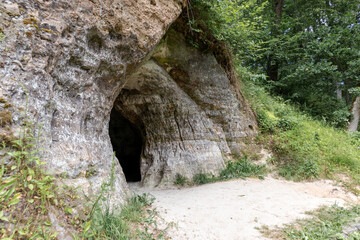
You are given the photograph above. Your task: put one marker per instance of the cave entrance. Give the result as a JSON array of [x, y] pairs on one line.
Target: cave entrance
[[127, 143]]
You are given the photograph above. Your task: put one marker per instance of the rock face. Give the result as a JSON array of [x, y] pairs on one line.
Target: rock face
[[65, 63], [187, 110], [71, 59]]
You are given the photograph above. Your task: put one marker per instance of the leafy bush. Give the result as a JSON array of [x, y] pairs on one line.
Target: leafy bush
[[180, 180], [202, 178], [286, 123], [238, 168], [306, 169], [303, 148], [26, 192], [242, 168], [266, 123], [133, 221]]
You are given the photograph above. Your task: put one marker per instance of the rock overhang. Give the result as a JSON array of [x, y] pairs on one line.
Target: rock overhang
[[77, 60]]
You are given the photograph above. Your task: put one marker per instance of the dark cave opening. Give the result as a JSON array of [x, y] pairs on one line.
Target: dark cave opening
[[127, 143]]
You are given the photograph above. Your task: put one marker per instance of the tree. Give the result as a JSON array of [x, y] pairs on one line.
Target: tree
[[312, 54]]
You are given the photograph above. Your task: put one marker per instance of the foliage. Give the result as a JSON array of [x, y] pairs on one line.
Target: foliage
[[307, 148], [242, 168], [308, 50], [238, 168], [2, 36], [134, 220], [202, 178], [327, 223], [311, 53], [237, 24], [25, 190], [180, 180]]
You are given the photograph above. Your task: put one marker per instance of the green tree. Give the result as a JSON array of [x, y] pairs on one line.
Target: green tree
[[312, 54]]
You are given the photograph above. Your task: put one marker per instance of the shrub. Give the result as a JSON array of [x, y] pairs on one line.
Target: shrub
[[242, 168], [202, 178], [303, 148], [286, 124], [180, 180], [305, 169], [266, 123]]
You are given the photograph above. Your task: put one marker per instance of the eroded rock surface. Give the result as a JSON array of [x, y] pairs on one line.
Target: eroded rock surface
[[70, 60], [187, 110], [64, 63]]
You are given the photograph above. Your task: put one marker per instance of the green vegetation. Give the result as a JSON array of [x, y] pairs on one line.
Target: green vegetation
[[239, 168], [26, 192], [202, 178], [311, 55], [298, 62], [307, 51], [2, 36], [28, 195], [135, 220], [180, 180], [303, 148], [327, 223]]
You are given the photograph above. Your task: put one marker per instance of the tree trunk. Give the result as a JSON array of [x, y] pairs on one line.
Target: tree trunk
[[278, 7], [338, 90], [355, 111], [272, 63]]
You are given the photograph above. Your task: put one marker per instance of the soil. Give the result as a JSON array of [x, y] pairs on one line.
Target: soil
[[234, 210]]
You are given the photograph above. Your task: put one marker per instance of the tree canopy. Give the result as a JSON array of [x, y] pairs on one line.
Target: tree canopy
[[309, 50]]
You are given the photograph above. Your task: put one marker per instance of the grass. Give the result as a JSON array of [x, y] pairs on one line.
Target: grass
[[326, 223], [303, 148], [134, 220], [238, 168]]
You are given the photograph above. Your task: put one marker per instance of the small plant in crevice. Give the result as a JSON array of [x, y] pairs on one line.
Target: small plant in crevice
[[2, 36], [180, 180], [26, 192]]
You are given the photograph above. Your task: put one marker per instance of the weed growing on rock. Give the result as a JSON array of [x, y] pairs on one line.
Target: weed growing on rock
[[25, 190], [180, 180], [2, 36]]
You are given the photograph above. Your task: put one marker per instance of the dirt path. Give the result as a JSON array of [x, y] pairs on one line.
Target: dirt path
[[232, 210]]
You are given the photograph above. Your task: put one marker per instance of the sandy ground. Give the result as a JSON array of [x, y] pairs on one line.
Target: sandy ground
[[233, 210]]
